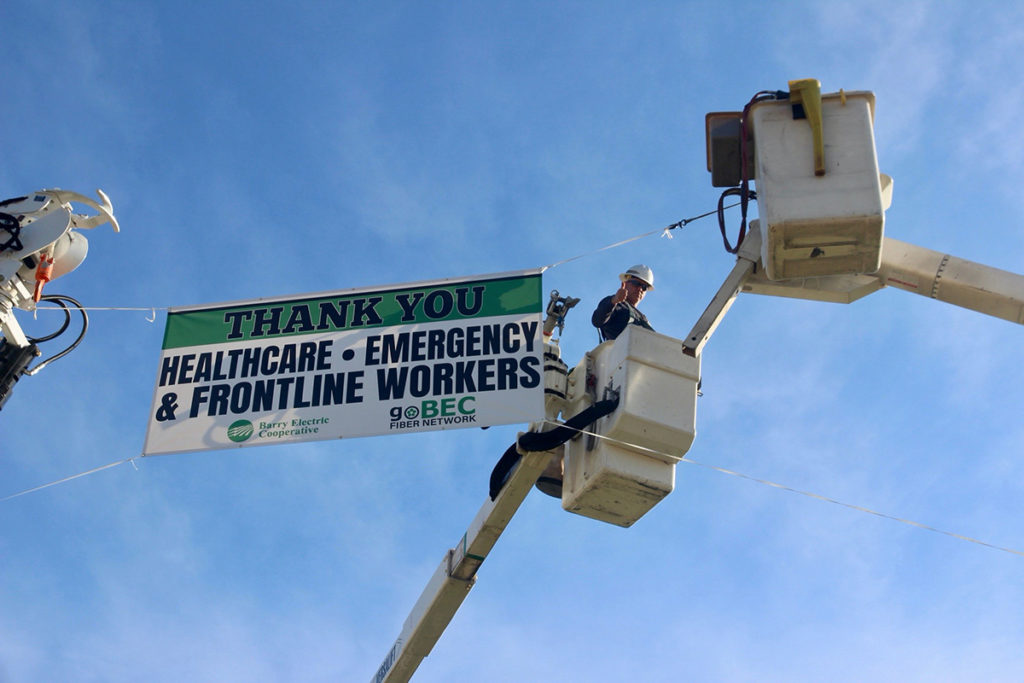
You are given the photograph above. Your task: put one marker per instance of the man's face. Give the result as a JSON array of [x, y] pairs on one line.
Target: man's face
[[635, 291]]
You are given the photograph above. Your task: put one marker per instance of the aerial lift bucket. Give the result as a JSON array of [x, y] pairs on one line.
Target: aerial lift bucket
[[819, 192], [625, 463]]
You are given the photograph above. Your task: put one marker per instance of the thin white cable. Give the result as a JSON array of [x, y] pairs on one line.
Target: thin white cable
[[665, 232], [604, 248], [690, 461], [73, 476], [816, 496], [151, 309]]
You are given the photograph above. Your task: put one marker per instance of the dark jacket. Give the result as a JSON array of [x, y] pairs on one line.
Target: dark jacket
[[612, 319]]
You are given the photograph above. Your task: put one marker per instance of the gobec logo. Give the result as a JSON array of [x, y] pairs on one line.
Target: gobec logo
[[432, 413], [240, 431]]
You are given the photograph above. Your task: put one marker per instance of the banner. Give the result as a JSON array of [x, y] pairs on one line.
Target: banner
[[406, 358]]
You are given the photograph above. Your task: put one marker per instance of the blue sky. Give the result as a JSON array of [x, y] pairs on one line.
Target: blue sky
[[264, 149]]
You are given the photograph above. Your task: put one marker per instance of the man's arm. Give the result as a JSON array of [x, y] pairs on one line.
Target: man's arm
[[603, 311]]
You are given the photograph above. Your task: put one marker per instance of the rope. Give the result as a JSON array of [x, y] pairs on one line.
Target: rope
[[689, 461], [665, 232], [73, 476], [859, 508], [151, 309], [815, 496]]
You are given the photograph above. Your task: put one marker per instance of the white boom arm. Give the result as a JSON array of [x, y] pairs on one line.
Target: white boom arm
[[452, 580], [981, 288]]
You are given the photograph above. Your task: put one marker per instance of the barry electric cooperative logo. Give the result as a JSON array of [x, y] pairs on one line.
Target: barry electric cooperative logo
[[243, 430], [240, 431]]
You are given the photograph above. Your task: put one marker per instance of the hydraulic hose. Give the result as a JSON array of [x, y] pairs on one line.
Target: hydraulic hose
[[545, 441]]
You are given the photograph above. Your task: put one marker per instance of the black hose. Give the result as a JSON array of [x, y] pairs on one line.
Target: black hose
[[544, 441], [499, 475], [60, 299], [63, 328]]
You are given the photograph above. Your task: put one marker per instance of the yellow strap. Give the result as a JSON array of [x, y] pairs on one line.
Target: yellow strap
[[807, 92]]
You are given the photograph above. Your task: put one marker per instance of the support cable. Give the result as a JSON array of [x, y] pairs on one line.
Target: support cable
[[665, 232], [816, 496], [66, 479], [500, 474]]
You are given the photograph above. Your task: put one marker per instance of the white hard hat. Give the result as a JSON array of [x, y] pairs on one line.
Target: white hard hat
[[640, 272]]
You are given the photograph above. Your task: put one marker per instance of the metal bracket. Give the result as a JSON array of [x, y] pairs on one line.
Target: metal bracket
[[557, 309]]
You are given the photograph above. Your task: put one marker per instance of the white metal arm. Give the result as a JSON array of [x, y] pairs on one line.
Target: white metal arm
[[456, 574], [956, 281]]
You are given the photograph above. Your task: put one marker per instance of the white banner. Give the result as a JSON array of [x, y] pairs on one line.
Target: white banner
[[416, 357]]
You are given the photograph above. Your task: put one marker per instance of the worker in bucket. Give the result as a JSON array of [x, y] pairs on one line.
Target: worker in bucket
[[616, 311], [611, 317]]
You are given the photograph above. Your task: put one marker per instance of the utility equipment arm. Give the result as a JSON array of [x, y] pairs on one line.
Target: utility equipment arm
[[992, 291], [516, 473], [456, 574], [956, 281]]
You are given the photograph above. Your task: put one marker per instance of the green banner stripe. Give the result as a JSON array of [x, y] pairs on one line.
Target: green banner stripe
[[356, 311]]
